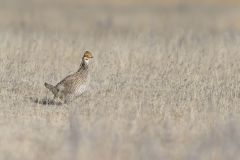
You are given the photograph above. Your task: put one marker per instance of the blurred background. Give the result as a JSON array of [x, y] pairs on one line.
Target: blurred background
[[73, 16], [165, 79]]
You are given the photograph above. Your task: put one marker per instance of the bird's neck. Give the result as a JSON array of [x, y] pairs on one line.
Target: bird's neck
[[83, 65]]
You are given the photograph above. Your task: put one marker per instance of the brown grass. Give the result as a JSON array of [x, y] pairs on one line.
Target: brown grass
[[165, 82]]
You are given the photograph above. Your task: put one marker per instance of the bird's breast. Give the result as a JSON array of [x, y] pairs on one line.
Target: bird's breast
[[80, 89]]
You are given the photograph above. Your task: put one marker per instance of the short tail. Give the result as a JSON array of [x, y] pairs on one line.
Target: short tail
[[51, 88]]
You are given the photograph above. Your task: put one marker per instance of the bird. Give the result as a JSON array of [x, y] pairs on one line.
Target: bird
[[72, 86]]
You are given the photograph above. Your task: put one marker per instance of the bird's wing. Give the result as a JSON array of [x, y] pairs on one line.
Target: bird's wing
[[67, 84]]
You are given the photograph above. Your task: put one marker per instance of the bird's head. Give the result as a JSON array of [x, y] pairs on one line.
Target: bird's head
[[87, 56]]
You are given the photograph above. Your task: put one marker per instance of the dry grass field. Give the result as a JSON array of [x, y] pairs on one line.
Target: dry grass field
[[165, 81]]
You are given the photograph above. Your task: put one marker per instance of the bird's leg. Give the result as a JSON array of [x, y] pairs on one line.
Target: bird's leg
[[58, 101]]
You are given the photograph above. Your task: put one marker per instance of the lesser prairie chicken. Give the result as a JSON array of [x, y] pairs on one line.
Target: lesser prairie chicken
[[73, 85]]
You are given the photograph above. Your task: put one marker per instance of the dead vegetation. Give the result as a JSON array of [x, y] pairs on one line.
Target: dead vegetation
[[165, 82]]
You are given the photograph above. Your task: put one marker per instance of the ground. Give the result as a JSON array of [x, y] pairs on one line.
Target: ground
[[165, 81]]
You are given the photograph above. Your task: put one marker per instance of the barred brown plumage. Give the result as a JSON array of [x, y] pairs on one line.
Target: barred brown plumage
[[73, 85]]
